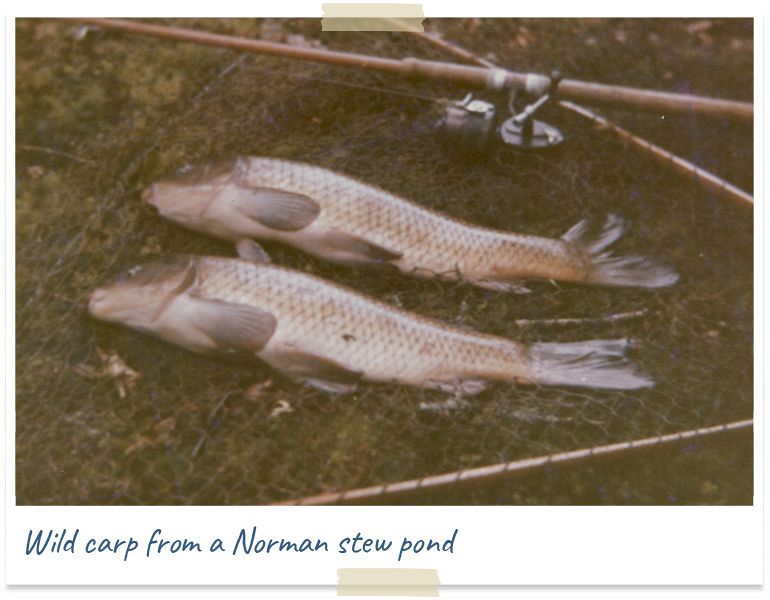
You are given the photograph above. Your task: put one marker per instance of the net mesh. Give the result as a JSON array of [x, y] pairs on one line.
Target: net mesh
[[100, 115]]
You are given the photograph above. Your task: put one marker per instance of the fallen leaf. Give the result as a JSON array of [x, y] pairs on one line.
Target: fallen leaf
[[165, 425], [80, 32], [139, 443], [35, 171], [282, 407], [705, 39], [524, 37], [254, 392], [297, 39], [698, 26], [472, 24], [152, 246], [112, 367], [271, 30], [739, 44]]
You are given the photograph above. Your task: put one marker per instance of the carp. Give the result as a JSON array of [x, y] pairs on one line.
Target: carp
[[337, 218], [332, 337]]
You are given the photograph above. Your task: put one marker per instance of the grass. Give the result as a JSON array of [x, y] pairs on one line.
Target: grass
[[99, 116]]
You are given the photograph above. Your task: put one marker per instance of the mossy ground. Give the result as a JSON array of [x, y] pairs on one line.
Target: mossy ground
[[99, 116]]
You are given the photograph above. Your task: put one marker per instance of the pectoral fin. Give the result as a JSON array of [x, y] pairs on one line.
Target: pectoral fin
[[234, 327], [250, 250], [345, 247], [278, 209], [463, 387], [317, 371], [333, 387], [498, 285]]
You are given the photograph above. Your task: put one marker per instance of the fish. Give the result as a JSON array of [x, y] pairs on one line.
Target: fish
[[337, 218], [333, 338]]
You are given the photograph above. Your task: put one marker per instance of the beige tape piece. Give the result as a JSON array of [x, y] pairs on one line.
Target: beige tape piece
[[387, 582], [372, 17]]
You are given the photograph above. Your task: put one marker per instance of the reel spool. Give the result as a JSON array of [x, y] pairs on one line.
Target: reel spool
[[469, 128], [468, 125]]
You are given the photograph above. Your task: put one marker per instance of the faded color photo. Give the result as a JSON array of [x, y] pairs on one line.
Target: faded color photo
[[248, 278]]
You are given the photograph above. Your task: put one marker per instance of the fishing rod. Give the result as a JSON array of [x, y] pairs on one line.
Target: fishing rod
[[704, 179], [493, 78]]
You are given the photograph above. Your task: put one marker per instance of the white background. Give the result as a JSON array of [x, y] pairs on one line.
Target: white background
[[495, 545]]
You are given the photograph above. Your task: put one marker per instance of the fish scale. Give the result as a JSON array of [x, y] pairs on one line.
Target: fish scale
[[386, 344], [431, 242]]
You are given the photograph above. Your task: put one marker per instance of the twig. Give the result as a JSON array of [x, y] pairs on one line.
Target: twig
[[51, 151], [70, 301], [215, 410], [613, 318], [209, 421], [199, 445]]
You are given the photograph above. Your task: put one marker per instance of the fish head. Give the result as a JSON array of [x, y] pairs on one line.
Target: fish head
[[184, 197], [139, 295]]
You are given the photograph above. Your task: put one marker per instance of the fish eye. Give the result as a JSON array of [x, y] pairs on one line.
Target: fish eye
[[195, 174]]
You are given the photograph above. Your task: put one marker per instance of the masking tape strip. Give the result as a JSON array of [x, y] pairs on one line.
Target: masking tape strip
[[387, 582], [372, 17]]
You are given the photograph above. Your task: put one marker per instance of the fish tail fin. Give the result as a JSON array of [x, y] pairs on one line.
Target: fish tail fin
[[593, 236], [591, 363]]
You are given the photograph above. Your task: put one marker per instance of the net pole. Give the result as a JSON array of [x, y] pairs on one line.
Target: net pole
[[517, 468]]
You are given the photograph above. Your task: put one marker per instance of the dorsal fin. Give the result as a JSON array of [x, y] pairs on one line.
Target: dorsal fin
[[250, 250]]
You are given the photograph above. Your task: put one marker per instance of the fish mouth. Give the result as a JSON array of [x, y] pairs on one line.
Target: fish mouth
[[96, 303], [146, 198]]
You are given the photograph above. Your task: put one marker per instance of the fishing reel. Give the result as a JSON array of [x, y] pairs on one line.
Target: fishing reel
[[469, 128]]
